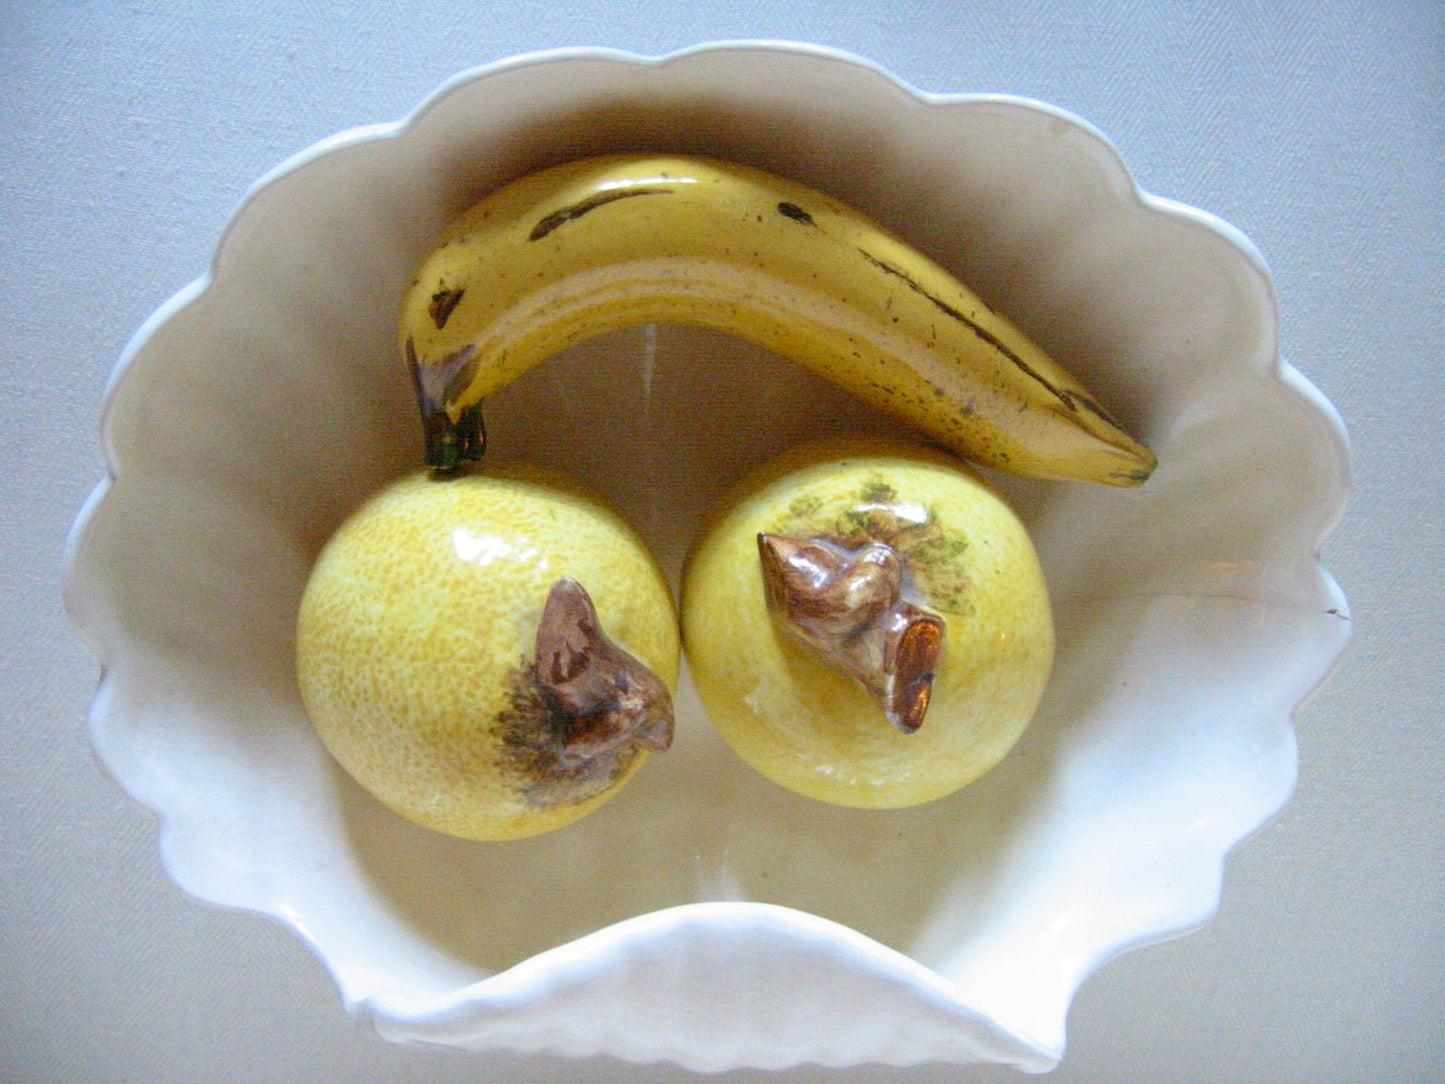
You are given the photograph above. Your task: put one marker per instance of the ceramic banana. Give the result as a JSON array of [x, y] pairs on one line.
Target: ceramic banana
[[605, 243]]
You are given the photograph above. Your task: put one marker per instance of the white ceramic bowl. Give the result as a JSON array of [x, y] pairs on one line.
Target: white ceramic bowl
[[705, 915]]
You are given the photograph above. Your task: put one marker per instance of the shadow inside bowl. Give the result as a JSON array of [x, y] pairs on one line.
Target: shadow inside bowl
[[691, 827]]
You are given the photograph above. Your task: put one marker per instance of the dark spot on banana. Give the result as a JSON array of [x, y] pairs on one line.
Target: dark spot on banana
[[549, 222], [442, 304], [1070, 399], [1074, 400], [796, 213]]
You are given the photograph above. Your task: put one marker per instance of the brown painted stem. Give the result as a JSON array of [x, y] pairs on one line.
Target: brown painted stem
[[611, 699], [849, 607]]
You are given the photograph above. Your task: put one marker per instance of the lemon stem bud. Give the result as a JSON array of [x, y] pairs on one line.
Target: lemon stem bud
[[608, 698], [849, 607]]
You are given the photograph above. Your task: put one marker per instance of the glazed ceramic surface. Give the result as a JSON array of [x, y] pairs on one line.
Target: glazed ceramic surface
[[707, 916]]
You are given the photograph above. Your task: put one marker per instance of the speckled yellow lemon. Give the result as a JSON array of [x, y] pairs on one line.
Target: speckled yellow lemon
[[867, 623], [492, 655]]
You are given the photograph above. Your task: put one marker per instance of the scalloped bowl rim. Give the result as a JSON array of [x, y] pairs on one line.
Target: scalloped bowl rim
[[401, 1018]]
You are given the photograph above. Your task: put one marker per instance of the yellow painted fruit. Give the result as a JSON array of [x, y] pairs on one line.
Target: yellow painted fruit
[[491, 655], [867, 623]]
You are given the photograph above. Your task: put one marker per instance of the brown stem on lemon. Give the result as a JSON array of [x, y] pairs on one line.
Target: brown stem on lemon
[[610, 700], [849, 607]]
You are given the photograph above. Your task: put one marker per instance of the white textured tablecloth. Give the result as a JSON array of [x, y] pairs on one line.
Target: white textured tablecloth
[[129, 132]]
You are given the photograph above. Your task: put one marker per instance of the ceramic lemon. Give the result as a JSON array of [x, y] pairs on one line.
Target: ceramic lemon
[[867, 623], [492, 655]]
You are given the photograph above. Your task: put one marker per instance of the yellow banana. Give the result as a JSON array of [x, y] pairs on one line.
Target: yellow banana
[[605, 243]]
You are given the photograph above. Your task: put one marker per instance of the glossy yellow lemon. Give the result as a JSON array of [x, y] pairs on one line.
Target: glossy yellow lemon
[[867, 623], [492, 655]]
